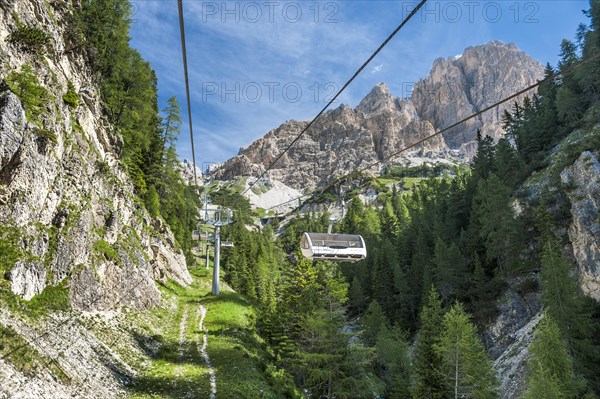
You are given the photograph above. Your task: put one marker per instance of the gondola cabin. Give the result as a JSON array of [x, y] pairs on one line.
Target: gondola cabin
[[335, 247]]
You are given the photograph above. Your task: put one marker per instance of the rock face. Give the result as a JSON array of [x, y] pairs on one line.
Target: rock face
[[341, 140], [345, 139], [187, 172], [62, 187], [460, 86], [508, 337], [584, 231]]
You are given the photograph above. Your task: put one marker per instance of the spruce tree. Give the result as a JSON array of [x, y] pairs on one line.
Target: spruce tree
[[392, 351], [374, 321], [429, 383], [357, 297], [383, 276], [449, 270], [329, 366]]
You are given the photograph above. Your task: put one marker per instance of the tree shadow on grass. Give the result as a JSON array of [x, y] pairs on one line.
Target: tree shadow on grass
[[172, 387], [237, 358], [168, 353], [226, 297]]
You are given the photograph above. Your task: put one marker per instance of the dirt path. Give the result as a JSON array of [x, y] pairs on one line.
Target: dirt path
[[181, 346], [202, 350]]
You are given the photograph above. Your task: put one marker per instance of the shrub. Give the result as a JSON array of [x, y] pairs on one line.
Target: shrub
[[29, 38], [70, 97], [103, 248], [26, 86]]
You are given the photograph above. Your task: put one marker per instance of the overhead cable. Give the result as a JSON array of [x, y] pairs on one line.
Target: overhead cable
[[187, 85], [358, 71], [316, 193]]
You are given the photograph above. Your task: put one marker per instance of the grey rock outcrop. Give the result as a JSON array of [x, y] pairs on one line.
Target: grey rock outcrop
[[12, 126], [83, 365], [511, 365], [345, 139], [28, 279], [63, 189], [508, 337], [584, 231], [187, 173]]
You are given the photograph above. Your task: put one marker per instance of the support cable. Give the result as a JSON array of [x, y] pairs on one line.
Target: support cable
[[187, 85], [358, 71], [316, 193]]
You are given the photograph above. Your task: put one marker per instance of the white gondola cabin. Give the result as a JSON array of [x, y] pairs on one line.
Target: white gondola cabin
[[336, 247]]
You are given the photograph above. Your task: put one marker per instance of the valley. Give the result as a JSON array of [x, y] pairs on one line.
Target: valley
[[481, 277]]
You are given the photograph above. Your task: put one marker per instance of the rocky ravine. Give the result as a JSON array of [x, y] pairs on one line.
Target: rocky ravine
[[345, 139]]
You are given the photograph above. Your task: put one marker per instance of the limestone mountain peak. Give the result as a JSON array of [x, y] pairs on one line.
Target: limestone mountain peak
[[377, 100], [347, 138]]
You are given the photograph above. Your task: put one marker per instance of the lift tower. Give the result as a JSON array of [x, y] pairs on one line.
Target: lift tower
[[217, 218]]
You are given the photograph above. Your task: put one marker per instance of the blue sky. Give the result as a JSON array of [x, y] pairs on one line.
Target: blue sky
[[255, 64]]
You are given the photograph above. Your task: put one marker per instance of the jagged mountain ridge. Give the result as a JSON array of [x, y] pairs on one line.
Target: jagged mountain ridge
[[348, 138]]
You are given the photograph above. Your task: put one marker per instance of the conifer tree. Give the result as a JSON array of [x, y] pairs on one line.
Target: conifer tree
[[330, 367], [374, 321], [566, 306], [550, 368], [172, 121], [465, 367], [495, 220], [507, 164], [449, 270], [483, 162], [429, 383], [388, 221], [358, 301], [383, 276], [392, 352]]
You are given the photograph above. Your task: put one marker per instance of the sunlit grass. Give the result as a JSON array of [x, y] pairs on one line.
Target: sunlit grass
[[237, 353]]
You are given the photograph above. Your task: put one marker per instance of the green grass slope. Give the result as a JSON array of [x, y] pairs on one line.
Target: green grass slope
[[174, 367]]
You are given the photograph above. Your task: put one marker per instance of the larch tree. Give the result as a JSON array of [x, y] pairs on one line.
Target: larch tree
[[550, 368], [465, 367]]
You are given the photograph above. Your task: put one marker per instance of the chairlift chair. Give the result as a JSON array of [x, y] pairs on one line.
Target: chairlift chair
[[334, 247]]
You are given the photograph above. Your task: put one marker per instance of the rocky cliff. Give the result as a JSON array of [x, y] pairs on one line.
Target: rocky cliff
[[341, 140], [459, 86], [64, 198], [345, 139], [571, 187], [584, 231]]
